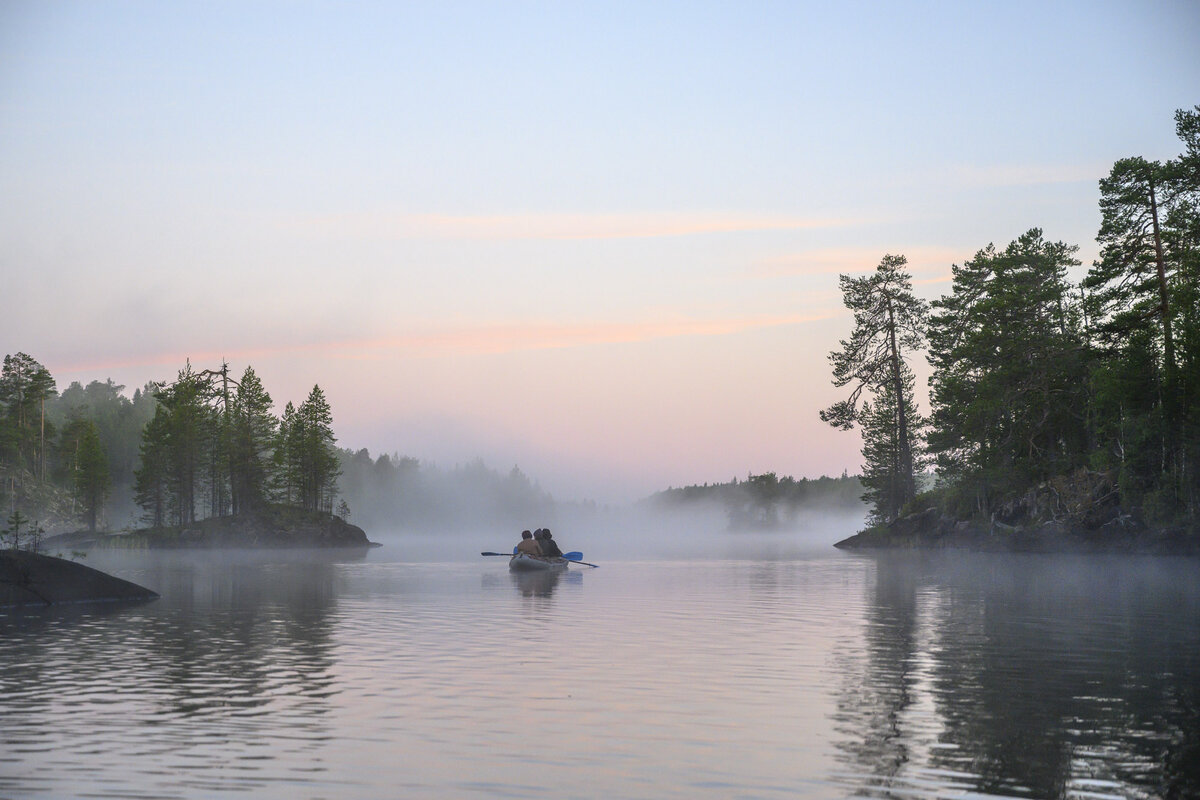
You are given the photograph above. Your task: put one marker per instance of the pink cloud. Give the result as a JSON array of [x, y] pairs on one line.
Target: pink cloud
[[481, 339]]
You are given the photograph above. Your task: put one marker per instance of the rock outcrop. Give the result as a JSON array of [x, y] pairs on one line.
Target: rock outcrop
[[35, 579], [1076, 513]]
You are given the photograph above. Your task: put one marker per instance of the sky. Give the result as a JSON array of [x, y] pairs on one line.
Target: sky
[[598, 241]]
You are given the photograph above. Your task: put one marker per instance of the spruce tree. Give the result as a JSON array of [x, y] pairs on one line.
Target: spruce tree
[[316, 456], [882, 476], [91, 475], [151, 485], [286, 459], [251, 443]]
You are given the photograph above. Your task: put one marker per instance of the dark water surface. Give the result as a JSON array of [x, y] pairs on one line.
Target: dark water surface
[[815, 674]]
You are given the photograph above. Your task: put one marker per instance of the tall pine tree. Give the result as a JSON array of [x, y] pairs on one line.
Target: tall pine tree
[[888, 326]]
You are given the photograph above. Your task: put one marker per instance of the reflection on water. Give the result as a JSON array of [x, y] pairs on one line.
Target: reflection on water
[[827, 676], [1027, 676], [542, 584], [187, 678]]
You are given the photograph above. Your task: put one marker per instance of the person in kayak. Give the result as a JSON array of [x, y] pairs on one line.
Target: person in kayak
[[549, 546], [527, 545]]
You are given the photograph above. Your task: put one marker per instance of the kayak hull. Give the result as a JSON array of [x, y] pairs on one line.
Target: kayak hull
[[523, 562]]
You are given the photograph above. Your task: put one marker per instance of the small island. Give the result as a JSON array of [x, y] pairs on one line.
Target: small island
[[213, 468]]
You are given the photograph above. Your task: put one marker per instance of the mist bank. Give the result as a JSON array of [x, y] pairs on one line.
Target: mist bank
[[420, 512], [396, 492], [634, 532]]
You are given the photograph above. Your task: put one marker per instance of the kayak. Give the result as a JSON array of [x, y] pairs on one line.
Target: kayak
[[523, 562]]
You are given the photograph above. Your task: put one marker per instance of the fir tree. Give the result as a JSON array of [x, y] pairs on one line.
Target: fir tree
[[91, 474]]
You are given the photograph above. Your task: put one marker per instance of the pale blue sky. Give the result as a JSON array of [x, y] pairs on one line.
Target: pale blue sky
[[598, 240]]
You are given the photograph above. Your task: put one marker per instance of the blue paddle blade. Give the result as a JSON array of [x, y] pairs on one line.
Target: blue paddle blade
[[574, 555]]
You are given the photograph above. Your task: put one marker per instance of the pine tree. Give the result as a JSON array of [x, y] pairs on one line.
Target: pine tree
[[1144, 296], [888, 325], [1009, 384], [1182, 242], [1130, 284]]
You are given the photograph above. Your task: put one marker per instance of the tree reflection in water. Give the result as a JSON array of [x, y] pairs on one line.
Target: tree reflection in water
[[879, 688], [250, 627], [1038, 676], [234, 647]]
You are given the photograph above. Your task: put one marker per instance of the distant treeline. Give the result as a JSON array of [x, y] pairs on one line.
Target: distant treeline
[[397, 492], [68, 459], [1050, 398], [766, 500]]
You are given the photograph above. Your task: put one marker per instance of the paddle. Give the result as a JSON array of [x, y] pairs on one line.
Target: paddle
[[574, 557]]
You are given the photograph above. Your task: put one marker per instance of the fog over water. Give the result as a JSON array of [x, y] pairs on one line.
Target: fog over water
[[695, 661], [633, 533]]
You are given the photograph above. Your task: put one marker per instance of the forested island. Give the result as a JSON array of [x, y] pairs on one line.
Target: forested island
[[1064, 415], [203, 459]]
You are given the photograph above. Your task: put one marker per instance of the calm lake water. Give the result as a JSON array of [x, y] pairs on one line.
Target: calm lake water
[[787, 672]]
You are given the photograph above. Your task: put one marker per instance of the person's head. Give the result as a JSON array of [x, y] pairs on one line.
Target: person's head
[[546, 534], [539, 533], [526, 535]]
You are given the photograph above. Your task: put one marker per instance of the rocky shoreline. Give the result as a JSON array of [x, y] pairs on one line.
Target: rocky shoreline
[[931, 529], [1077, 513], [275, 527]]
